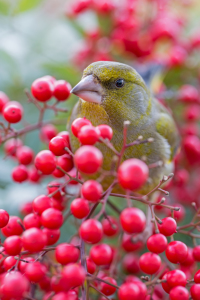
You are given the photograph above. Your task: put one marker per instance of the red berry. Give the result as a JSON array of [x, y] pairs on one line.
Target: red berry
[[12, 112], [177, 56], [110, 226], [26, 208], [45, 161], [48, 132], [191, 147], [179, 293], [106, 288], [65, 135], [197, 277], [11, 146], [176, 252], [20, 173], [41, 203], [189, 261], [34, 175], [66, 163], [91, 267], [13, 227], [88, 135], [88, 159], [91, 231], [195, 291], [59, 204], [101, 254], [74, 275], [52, 235], [104, 6], [9, 262], [58, 284], [179, 215], [52, 218], [165, 285], [150, 263], [35, 271], [25, 155], [131, 263], [54, 186], [80, 208], [42, 89], [176, 278], [14, 286], [157, 243], [3, 100], [77, 124], [188, 94], [92, 190], [133, 220], [13, 245], [32, 220], [57, 145], [66, 253], [62, 90], [129, 244], [196, 253], [106, 131], [34, 240], [132, 174], [168, 226], [129, 291], [4, 218], [70, 295]]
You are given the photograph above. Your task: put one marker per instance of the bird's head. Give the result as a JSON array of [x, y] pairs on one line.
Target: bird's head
[[109, 83]]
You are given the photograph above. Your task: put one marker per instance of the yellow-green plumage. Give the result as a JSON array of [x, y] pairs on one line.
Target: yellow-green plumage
[[132, 102]]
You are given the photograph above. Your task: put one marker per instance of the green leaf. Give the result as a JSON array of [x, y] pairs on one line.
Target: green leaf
[[24, 5]]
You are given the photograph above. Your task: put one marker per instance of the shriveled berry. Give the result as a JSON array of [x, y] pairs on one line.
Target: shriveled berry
[[80, 208], [132, 174], [66, 253], [91, 231], [45, 161], [92, 190], [133, 220]]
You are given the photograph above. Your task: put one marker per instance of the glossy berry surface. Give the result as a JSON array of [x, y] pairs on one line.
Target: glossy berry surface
[[133, 220], [88, 135], [45, 162], [61, 90], [80, 208], [91, 231], [176, 252], [106, 131], [150, 263], [168, 226], [57, 145], [77, 124], [101, 254], [66, 253], [52, 218], [92, 190], [157, 243], [12, 112], [42, 89]]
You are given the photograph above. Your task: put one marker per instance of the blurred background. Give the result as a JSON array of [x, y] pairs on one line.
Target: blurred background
[[60, 38]]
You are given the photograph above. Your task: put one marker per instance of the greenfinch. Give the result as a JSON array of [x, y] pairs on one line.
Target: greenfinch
[[112, 93]]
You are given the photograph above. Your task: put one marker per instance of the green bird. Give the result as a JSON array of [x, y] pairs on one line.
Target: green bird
[[111, 93]]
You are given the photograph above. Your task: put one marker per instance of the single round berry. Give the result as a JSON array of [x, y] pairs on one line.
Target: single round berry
[[91, 267], [179, 293], [65, 135], [32, 220], [129, 291], [157, 243], [74, 275], [52, 235], [168, 226], [3, 100], [188, 94], [57, 145], [133, 220], [62, 90], [150, 263], [88, 135], [14, 285], [35, 271], [178, 215], [106, 131], [80, 208], [88, 159], [176, 252], [132, 174], [196, 253], [41, 203], [189, 261], [42, 89], [45, 161], [106, 288], [13, 227], [9, 262], [101, 254], [110, 226], [176, 278], [48, 132], [65, 162], [66, 253], [25, 155], [91, 231], [195, 291], [129, 244], [20, 174], [4, 218], [92, 190], [52, 218], [11, 146], [131, 263], [13, 245], [77, 124], [197, 277], [13, 112], [34, 240], [34, 175]]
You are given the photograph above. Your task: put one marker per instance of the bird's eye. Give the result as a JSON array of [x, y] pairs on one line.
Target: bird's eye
[[119, 83]]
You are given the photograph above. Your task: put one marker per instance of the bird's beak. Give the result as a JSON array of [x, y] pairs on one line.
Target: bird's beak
[[88, 89]]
